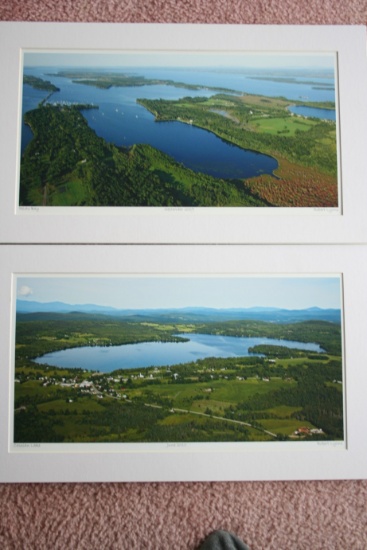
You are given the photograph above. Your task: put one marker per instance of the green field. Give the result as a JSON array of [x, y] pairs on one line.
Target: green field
[[283, 125]]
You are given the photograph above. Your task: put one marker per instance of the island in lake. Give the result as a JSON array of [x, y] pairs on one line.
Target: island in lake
[[168, 136]]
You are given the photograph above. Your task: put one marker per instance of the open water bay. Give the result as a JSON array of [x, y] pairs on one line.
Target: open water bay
[[313, 112], [147, 354]]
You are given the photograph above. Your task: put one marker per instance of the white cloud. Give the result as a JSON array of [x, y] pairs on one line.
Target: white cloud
[[24, 291]]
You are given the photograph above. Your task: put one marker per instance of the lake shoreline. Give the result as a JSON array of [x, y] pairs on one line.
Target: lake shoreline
[[160, 354]]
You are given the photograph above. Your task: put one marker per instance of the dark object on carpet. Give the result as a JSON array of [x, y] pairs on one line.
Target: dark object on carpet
[[223, 540]]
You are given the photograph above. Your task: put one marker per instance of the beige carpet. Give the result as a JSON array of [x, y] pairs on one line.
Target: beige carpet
[[270, 515]]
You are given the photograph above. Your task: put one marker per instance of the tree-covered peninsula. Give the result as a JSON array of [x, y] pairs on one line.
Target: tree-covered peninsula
[[40, 84], [66, 164]]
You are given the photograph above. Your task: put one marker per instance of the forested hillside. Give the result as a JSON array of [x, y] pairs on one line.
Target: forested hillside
[[68, 164]]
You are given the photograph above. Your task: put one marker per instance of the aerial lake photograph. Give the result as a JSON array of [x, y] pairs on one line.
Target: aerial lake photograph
[[178, 359], [185, 129]]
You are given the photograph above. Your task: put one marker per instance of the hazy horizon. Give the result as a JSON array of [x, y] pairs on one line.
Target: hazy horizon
[[180, 60], [174, 292]]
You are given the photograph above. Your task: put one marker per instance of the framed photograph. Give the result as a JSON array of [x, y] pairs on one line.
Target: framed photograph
[[182, 363], [182, 134]]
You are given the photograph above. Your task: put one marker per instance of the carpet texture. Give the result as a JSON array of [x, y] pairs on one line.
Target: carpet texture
[[268, 515]]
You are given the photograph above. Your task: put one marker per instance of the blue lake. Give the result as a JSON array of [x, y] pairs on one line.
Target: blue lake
[[314, 112], [120, 120], [146, 354]]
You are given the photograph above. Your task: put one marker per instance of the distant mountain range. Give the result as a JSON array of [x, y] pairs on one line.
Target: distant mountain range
[[188, 314]]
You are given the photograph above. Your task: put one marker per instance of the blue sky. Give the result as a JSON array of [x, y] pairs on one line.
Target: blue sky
[[160, 292], [178, 59]]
